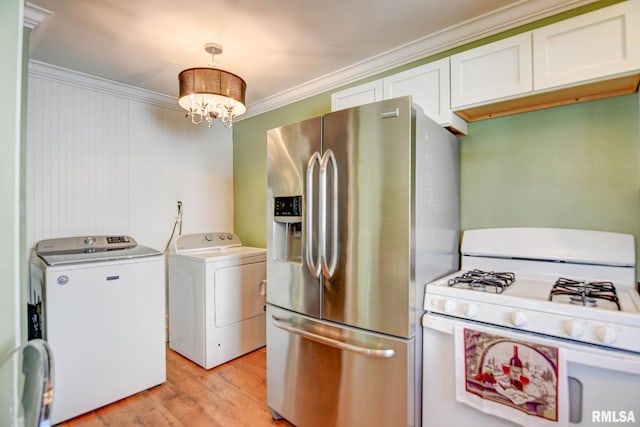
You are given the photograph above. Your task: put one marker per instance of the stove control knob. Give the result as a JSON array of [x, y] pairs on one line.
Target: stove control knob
[[471, 310], [449, 306], [606, 334], [518, 318], [574, 328]]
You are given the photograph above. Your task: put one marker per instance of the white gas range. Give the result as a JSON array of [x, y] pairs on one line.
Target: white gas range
[[572, 290]]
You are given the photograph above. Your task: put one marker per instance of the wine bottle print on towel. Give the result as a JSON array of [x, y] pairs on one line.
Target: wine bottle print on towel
[[515, 373]]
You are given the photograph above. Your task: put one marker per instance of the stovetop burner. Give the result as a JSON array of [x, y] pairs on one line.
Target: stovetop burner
[[585, 293], [479, 280]]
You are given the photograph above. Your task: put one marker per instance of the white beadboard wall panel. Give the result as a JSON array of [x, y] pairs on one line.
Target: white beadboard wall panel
[[76, 184], [100, 162], [196, 168]]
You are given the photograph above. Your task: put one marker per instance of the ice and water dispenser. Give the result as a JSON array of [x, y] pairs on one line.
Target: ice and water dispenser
[[287, 239]]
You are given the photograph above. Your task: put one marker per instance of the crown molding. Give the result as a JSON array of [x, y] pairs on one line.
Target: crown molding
[[46, 71], [506, 18], [34, 15]]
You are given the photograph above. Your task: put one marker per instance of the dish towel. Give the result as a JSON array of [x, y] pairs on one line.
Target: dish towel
[[505, 376]]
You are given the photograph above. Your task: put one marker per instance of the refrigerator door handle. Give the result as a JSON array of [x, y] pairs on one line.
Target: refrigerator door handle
[[328, 158], [384, 353], [313, 265]]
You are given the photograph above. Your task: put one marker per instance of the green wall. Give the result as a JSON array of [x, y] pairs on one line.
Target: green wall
[[23, 260], [10, 77], [575, 166]]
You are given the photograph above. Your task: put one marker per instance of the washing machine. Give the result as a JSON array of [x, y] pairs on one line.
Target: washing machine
[[217, 290], [99, 301]]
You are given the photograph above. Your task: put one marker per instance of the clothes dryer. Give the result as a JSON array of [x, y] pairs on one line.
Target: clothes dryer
[[217, 290]]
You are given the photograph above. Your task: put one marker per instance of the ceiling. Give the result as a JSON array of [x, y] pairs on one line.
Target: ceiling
[[275, 45]]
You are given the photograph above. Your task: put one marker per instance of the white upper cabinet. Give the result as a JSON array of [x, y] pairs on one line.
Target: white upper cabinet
[[428, 86], [357, 95], [491, 72], [590, 46], [591, 56]]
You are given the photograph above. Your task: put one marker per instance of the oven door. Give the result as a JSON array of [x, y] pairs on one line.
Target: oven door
[[602, 385]]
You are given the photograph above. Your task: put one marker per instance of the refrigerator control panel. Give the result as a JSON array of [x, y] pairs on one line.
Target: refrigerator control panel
[[287, 209]]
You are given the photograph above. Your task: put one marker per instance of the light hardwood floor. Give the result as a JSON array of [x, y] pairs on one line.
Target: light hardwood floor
[[233, 394]]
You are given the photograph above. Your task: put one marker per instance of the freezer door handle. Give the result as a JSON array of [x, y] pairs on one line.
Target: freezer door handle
[[313, 265], [385, 353], [328, 268]]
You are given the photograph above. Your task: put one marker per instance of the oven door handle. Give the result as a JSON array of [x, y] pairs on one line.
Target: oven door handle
[[611, 360], [574, 353]]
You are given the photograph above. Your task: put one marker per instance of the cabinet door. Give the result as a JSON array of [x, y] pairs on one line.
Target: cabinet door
[[357, 95], [491, 72], [590, 46], [428, 86]]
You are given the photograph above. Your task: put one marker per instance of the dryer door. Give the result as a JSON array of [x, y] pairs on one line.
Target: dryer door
[[239, 293]]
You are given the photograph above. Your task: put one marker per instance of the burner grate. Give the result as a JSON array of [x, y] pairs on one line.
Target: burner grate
[[585, 293], [479, 280]]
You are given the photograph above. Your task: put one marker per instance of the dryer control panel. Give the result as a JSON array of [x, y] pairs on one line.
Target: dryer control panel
[[205, 242]]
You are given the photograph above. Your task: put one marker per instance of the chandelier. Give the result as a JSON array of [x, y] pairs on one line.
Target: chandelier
[[210, 93]]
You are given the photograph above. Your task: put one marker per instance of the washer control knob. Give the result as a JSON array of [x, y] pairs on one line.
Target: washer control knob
[[222, 237], [574, 328], [208, 237], [606, 334], [91, 241], [449, 306], [229, 236], [471, 310], [518, 318]]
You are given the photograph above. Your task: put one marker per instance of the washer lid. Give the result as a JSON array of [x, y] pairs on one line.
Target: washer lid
[[115, 255], [73, 250], [84, 244]]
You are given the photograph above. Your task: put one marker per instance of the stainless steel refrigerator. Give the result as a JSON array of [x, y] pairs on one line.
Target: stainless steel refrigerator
[[362, 212]]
